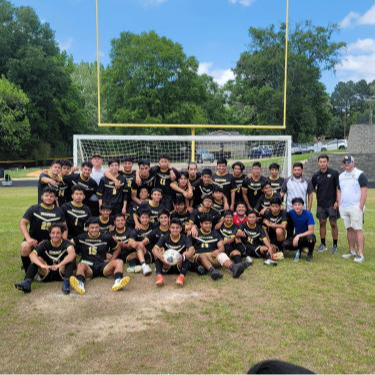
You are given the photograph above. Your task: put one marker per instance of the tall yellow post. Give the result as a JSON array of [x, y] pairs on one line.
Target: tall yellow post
[[98, 62], [286, 63], [193, 145]]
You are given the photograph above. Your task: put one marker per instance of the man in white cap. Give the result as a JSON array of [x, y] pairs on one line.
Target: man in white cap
[[352, 195]]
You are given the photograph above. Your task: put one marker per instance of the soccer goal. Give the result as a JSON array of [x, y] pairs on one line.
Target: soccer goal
[[205, 150]]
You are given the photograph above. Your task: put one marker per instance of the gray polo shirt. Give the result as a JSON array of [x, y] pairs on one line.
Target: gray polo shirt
[[296, 188]]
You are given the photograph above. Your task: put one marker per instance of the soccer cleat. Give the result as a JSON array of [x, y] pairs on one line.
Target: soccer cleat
[[270, 262], [298, 256], [201, 270], [135, 269], [322, 248], [180, 280], [359, 259], [66, 287], [237, 270], [249, 260], [24, 285], [334, 249], [78, 286], [146, 269], [349, 255], [309, 258], [246, 264], [159, 280], [120, 283], [216, 274]]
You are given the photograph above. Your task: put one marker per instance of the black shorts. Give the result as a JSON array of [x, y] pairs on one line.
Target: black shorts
[[254, 251], [172, 270], [229, 248], [52, 276], [125, 254], [96, 268], [322, 213]]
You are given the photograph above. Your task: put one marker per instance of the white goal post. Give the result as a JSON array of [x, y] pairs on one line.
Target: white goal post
[[205, 150]]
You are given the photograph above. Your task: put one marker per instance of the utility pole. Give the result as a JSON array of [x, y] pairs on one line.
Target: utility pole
[[370, 100]]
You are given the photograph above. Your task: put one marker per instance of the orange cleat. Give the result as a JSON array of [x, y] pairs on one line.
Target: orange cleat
[[180, 280], [159, 280]]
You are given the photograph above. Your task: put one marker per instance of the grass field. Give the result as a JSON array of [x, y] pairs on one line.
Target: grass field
[[318, 315]]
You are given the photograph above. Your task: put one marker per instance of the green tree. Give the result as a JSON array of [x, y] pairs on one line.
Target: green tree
[[14, 123]]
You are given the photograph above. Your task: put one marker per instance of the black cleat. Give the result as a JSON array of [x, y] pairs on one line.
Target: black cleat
[[24, 285], [216, 274], [309, 258], [201, 270], [237, 270], [66, 287]]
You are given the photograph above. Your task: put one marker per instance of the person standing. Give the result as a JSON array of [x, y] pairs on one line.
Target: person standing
[[352, 195], [325, 183], [97, 172]]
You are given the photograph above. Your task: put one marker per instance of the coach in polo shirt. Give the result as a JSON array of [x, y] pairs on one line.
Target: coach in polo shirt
[[352, 197], [326, 183], [297, 186]]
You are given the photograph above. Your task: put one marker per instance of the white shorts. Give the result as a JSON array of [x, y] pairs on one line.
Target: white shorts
[[352, 216]]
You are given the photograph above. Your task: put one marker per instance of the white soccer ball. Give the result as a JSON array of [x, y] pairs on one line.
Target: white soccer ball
[[172, 257]]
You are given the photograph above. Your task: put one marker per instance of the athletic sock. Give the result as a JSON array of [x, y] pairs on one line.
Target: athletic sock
[[69, 268], [335, 242], [185, 267], [231, 267], [25, 262], [81, 278], [119, 275], [158, 266], [237, 259], [323, 241], [31, 271]]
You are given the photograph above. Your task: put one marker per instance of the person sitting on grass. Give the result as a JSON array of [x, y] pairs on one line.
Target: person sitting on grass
[[240, 217], [177, 241], [301, 227], [152, 205], [53, 259], [210, 252], [95, 249], [252, 237], [182, 214]]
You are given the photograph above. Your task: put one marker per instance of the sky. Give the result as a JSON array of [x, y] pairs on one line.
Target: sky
[[214, 31]]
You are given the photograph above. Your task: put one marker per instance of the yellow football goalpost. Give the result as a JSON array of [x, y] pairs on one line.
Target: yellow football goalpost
[[193, 127]]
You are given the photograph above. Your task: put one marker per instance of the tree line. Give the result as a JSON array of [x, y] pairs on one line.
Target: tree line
[[46, 97]]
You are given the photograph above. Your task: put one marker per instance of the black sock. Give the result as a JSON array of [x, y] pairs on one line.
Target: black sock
[[81, 278], [323, 241], [237, 259], [185, 267], [31, 271], [119, 275], [158, 266], [69, 268], [25, 262], [335, 242], [133, 263]]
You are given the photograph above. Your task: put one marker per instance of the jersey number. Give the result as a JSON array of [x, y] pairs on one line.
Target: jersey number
[[45, 225], [93, 250]]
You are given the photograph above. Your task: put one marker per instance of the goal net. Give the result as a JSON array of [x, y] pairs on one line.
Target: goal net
[[205, 150]]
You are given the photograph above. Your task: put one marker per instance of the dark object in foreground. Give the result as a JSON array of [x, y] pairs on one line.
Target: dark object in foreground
[[277, 367]]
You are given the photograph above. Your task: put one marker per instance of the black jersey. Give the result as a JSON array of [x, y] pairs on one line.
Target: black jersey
[[123, 236], [228, 232], [105, 225], [147, 183], [133, 207], [218, 206], [326, 185], [89, 185], [142, 233], [163, 180], [149, 206], [196, 217], [53, 254], [60, 189], [254, 189], [226, 182], [197, 177], [156, 235], [183, 217], [206, 242], [76, 218], [201, 191], [276, 184], [264, 201], [281, 218], [181, 245], [238, 181], [255, 235], [129, 177], [93, 250], [109, 193], [40, 218]]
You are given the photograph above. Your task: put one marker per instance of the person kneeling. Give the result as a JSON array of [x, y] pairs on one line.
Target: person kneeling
[[95, 248], [300, 230], [53, 259], [173, 241], [210, 252]]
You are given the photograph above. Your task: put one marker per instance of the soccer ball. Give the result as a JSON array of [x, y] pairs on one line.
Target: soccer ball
[[172, 257]]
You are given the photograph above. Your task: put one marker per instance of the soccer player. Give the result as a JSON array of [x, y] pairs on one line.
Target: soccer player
[[76, 213], [297, 186], [352, 195], [326, 184], [105, 219], [133, 208], [183, 187], [238, 177], [239, 217], [109, 193], [274, 177], [53, 259], [51, 179], [182, 214], [143, 179], [210, 253], [153, 206], [194, 175], [256, 244], [94, 247], [225, 180], [300, 230], [275, 220], [36, 222], [264, 201], [177, 241], [219, 200], [160, 231], [203, 187], [252, 186]]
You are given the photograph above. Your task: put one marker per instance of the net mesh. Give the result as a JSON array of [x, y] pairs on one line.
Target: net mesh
[[208, 149]]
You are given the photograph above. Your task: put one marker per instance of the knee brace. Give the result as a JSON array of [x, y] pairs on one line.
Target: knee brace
[[222, 258]]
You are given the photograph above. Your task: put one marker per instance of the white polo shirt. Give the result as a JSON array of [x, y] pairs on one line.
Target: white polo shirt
[[350, 184]]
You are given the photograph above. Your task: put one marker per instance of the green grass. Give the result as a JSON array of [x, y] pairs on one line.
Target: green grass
[[22, 172], [318, 315]]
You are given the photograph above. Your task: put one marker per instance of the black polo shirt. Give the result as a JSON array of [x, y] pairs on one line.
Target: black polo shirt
[[325, 185]]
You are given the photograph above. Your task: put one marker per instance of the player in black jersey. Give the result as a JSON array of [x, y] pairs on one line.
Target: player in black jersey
[[76, 213], [134, 206], [252, 186], [264, 201], [182, 187], [225, 180], [194, 175], [182, 214], [153, 205], [105, 219], [275, 221], [238, 177], [274, 178], [141, 242], [210, 253], [112, 194], [53, 259], [142, 179], [203, 187], [160, 231], [99, 257], [52, 179], [36, 222], [174, 240], [219, 200], [254, 239]]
